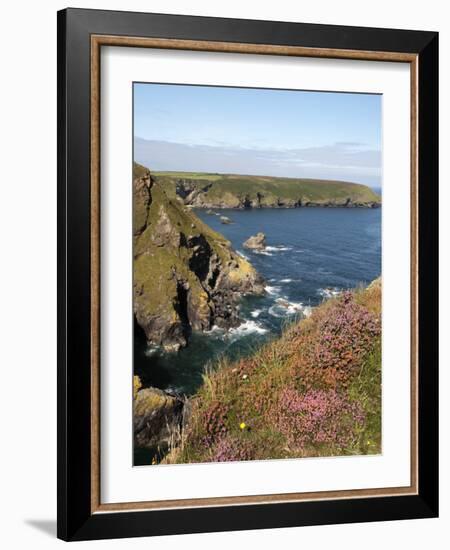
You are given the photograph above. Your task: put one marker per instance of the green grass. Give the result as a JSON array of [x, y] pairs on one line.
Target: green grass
[[272, 188], [366, 389], [190, 175], [139, 171]]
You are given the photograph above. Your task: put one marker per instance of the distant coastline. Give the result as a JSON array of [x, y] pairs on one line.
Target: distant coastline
[[213, 190]]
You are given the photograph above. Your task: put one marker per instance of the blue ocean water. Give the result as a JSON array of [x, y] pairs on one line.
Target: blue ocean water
[[311, 254]]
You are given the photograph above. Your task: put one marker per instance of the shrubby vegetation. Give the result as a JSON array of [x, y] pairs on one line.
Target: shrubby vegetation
[[315, 391]]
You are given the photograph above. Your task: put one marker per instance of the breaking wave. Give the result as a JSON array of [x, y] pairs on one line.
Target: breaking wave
[[284, 308], [273, 290], [329, 292], [262, 252], [256, 313], [246, 328], [279, 248]]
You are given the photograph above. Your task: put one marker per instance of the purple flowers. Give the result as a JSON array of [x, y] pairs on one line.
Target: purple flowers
[[318, 417], [230, 449], [343, 335], [214, 422]]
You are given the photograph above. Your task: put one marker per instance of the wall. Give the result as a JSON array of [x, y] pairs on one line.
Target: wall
[[28, 274]]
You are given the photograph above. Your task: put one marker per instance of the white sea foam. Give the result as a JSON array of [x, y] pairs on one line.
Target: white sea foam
[[273, 290], [174, 390], [262, 252], [329, 292], [214, 331], [279, 248], [242, 255], [256, 313], [246, 328], [284, 308], [275, 311], [285, 280]]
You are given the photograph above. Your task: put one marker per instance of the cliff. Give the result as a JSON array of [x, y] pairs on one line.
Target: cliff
[[186, 276], [239, 191]]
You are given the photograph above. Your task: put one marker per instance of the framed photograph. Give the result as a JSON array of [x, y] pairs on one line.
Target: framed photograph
[[247, 274]]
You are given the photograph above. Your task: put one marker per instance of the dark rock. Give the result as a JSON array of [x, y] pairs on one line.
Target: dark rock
[[157, 418]]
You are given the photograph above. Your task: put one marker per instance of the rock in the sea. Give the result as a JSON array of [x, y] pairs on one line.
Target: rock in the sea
[[157, 418], [225, 220], [256, 242]]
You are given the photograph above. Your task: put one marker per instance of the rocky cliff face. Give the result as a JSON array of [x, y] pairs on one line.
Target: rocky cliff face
[[186, 276], [232, 191], [158, 417]]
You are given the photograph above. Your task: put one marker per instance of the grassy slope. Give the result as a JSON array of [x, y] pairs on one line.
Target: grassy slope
[[139, 171], [287, 188], [316, 391]]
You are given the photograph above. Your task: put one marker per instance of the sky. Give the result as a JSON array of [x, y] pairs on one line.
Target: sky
[[286, 133]]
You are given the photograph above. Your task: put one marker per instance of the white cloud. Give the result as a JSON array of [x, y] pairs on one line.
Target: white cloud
[[348, 161]]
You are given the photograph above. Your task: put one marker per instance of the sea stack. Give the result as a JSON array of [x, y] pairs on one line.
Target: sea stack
[[256, 242]]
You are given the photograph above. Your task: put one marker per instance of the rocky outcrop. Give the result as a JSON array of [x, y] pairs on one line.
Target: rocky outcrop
[[157, 417], [186, 276], [225, 220], [256, 242], [234, 191]]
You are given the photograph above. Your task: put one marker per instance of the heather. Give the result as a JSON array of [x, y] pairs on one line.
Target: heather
[[315, 391]]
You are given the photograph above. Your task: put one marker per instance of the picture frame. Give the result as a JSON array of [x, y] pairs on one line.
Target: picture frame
[[81, 36]]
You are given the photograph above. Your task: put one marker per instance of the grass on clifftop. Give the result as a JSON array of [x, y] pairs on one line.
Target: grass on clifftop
[[272, 187], [139, 171], [315, 391]]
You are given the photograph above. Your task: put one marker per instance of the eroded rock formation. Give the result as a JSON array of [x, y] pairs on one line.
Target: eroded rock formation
[[186, 276], [256, 242]]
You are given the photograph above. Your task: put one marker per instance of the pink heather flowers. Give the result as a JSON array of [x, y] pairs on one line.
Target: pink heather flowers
[[318, 417], [229, 449], [214, 422], [345, 335]]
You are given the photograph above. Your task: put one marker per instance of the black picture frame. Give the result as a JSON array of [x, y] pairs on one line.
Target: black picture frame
[[75, 518]]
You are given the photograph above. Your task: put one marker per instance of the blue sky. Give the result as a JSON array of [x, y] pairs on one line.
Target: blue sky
[[256, 131]]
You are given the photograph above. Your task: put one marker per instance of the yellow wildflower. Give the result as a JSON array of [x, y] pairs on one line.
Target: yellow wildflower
[[242, 425]]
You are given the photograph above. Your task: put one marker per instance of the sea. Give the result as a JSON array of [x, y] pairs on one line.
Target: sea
[[311, 255]]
